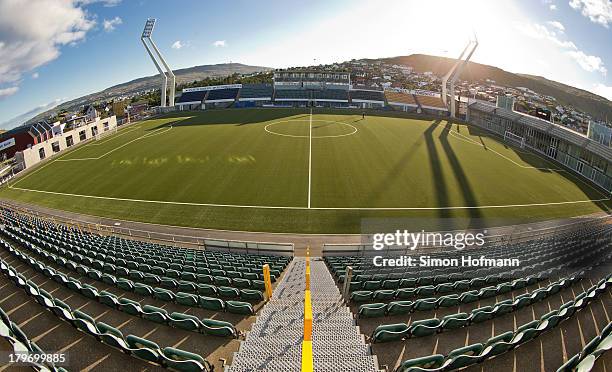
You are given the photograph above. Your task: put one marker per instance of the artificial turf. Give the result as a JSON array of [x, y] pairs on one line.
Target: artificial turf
[[256, 165]]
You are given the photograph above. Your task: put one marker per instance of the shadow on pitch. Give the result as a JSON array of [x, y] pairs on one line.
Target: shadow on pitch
[[547, 166], [237, 117]]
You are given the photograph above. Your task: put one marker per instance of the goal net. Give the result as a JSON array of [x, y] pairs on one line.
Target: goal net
[[104, 134], [514, 139]]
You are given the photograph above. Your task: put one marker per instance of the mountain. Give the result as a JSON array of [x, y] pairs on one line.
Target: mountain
[[184, 75], [566, 95]]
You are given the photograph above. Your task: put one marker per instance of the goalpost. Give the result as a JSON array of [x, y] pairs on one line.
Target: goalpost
[[514, 139], [104, 134]]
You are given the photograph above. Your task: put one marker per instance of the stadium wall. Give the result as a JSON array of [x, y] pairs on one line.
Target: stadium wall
[[587, 158], [60, 142]]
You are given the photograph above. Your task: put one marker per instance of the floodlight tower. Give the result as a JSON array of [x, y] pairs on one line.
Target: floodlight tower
[[454, 73], [146, 36]]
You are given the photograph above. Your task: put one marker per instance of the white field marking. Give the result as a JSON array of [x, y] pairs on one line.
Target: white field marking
[[146, 135], [324, 121], [116, 135], [11, 186], [309, 157], [469, 140], [473, 142], [305, 208]]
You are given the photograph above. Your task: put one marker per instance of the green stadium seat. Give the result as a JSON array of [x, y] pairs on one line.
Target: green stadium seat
[[228, 292], [399, 307], [425, 304], [239, 307], [111, 336], [143, 348], [427, 362], [405, 293], [251, 295], [128, 306], [454, 321], [218, 328], [372, 310], [211, 303], [383, 295], [463, 357], [85, 323], [186, 299], [163, 294], [448, 301], [424, 327], [155, 314], [180, 360], [497, 345], [361, 296], [390, 332], [184, 321]]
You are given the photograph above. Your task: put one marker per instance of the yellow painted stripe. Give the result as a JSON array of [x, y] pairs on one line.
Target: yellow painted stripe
[[307, 316], [307, 360]]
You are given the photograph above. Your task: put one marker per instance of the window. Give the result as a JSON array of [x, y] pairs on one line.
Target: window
[[69, 141], [94, 131], [41, 153], [106, 126], [55, 146], [82, 135]]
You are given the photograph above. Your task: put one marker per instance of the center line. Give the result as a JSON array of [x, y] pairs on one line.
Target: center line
[[309, 156]]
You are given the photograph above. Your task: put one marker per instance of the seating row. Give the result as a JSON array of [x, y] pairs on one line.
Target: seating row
[[168, 357], [478, 352]]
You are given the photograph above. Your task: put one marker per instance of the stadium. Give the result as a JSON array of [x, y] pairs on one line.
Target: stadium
[[233, 228]]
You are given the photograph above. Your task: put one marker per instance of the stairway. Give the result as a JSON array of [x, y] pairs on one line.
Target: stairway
[[338, 345], [275, 341]]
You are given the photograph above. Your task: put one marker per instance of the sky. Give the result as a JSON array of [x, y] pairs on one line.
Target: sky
[[52, 51]]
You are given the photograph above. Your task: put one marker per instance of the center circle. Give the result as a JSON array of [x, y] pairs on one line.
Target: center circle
[[269, 128]]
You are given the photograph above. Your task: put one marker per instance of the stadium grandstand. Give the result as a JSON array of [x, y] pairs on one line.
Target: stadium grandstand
[[365, 98], [401, 100], [285, 227], [252, 95]]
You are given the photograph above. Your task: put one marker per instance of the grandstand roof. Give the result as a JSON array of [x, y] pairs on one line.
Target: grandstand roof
[[367, 95], [197, 96], [400, 98], [547, 127], [429, 101]]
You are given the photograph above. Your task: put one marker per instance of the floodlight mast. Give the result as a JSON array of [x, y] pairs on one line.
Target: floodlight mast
[[146, 35], [171, 76], [454, 73]]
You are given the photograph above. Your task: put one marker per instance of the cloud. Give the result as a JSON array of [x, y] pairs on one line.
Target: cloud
[[603, 90], [110, 24], [32, 32], [106, 3], [538, 31], [219, 43], [552, 7], [598, 11], [35, 75], [557, 25], [7, 92], [587, 62], [21, 119], [177, 45]]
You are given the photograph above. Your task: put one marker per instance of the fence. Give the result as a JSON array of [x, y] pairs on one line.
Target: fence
[[506, 234], [225, 245]]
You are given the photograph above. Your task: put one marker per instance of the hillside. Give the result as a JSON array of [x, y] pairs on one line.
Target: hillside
[[150, 82], [593, 104]]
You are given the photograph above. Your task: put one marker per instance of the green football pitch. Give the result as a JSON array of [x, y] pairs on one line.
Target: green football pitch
[[280, 170]]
